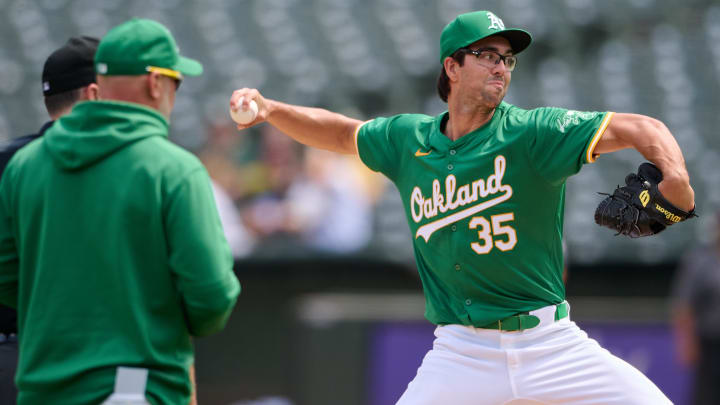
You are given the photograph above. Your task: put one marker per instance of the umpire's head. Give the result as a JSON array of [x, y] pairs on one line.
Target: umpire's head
[[69, 75]]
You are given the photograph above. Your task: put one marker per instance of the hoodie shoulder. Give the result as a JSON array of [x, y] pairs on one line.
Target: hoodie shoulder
[[160, 156], [21, 153], [170, 154]]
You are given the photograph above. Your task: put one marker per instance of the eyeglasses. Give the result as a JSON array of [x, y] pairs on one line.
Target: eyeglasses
[[173, 74], [489, 58]]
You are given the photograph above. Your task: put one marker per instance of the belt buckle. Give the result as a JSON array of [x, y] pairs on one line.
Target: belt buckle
[[499, 325]]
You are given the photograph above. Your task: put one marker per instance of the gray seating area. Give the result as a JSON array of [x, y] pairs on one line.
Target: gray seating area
[[368, 58]]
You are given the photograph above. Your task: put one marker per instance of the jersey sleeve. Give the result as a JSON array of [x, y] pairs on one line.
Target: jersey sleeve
[[564, 140], [377, 144]]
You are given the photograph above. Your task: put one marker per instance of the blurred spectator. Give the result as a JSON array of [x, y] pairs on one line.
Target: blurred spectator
[[240, 240], [696, 317], [230, 182], [230, 160], [306, 201], [328, 204], [267, 212], [68, 77]]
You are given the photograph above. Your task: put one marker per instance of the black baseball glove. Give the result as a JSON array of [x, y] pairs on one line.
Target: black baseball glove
[[638, 209]]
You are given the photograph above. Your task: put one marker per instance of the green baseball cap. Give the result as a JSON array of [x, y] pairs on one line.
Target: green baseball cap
[[140, 46], [470, 27]]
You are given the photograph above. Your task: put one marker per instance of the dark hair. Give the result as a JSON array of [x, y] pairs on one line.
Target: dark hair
[[57, 103], [443, 81]]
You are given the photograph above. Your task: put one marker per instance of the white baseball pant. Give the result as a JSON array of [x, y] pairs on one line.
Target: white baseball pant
[[552, 363]]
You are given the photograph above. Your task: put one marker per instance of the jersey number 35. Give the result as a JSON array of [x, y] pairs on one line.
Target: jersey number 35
[[498, 235]]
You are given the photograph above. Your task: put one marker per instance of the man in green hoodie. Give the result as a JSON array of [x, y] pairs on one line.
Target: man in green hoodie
[[113, 253]]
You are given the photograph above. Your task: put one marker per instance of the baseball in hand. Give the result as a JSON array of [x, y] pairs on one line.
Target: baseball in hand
[[247, 116]]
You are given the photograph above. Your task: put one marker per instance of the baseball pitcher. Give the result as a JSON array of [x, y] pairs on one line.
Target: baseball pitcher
[[483, 186]]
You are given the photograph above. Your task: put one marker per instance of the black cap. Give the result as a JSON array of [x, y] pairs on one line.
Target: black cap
[[70, 67]]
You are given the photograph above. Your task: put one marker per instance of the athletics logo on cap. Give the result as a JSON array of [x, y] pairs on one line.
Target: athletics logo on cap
[[495, 22], [474, 26]]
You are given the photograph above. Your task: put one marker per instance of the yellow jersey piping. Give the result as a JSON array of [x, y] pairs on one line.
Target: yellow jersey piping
[[596, 138]]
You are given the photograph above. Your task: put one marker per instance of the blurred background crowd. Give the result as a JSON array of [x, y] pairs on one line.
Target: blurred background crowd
[[281, 203], [367, 59]]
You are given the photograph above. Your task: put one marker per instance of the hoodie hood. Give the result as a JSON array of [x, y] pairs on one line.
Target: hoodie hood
[[95, 130]]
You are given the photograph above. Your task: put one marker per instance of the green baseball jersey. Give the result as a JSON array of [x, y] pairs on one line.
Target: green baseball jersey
[[486, 210]]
